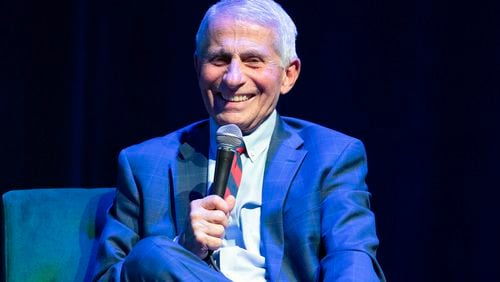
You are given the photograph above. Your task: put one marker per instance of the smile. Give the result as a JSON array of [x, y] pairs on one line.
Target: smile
[[235, 98]]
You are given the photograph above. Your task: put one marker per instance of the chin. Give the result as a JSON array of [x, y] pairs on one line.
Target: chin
[[228, 118], [223, 121]]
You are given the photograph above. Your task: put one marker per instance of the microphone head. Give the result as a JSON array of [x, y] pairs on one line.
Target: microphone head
[[229, 137]]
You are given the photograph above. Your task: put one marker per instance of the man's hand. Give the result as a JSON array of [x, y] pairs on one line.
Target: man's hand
[[208, 221]]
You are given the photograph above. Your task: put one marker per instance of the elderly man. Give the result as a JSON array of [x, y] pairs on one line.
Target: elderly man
[[300, 212]]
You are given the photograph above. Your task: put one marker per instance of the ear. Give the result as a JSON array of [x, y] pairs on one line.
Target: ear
[[291, 74]]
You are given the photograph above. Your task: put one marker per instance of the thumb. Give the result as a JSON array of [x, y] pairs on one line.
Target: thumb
[[231, 201]]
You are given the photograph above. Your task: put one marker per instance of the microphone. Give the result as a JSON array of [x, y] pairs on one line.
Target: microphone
[[229, 138]]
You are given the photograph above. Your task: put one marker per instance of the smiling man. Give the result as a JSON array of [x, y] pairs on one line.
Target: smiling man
[[240, 71], [300, 213]]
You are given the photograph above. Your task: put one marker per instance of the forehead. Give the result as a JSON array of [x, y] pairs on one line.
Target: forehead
[[227, 32]]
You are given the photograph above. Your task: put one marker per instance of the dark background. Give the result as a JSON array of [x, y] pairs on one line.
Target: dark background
[[417, 81]]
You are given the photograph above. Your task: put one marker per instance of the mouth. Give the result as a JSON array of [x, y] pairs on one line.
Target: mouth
[[235, 98]]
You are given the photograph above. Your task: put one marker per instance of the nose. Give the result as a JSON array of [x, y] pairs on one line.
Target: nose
[[234, 77]]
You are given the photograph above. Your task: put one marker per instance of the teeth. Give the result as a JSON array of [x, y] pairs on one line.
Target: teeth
[[236, 98]]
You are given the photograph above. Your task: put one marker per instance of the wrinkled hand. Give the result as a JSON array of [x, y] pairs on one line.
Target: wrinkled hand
[[208, 219]]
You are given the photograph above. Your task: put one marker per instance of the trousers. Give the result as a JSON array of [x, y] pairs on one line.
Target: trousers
[[158, 258]]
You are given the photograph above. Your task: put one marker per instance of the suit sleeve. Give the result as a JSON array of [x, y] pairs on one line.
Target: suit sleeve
[[347, 223], [121, 231]]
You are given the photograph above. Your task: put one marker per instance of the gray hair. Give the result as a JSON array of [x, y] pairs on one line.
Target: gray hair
[[266, 13]]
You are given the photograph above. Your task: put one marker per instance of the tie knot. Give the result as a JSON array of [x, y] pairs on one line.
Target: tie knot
[[241, 149]]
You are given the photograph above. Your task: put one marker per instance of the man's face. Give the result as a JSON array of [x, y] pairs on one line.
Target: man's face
[[240, 73]]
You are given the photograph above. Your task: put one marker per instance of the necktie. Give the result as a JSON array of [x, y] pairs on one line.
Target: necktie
[[234, 180]]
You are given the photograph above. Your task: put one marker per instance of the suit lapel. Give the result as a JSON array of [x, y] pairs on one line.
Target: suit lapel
[[283, 160], [190, 173], [189, 176]]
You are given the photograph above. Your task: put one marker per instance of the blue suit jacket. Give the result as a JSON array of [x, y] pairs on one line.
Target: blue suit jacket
[[316, 223]]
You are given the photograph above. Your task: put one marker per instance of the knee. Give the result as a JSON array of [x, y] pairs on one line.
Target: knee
[[146, 261]]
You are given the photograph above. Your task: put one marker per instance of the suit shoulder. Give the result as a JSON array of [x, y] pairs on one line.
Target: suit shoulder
[[314, 133], [326, 145], [167, 144]]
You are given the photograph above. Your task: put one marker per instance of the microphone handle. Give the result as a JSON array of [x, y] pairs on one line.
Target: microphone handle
[[222, 170]]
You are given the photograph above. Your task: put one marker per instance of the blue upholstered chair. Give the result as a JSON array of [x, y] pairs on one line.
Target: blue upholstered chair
[[51, 234]]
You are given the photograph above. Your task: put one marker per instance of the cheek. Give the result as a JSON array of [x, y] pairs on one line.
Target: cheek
[[273, 78], [272, 88], [209, 74]]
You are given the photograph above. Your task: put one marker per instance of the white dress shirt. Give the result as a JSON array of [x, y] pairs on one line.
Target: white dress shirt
[[239, 258]]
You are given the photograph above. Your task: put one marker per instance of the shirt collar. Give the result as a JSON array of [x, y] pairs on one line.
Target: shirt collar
[[256, 142]]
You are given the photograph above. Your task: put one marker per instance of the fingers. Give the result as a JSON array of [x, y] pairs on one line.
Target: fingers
[[208, 235], [230, 201], [208, 213], [207, 217], [208, 220], [214, 202]]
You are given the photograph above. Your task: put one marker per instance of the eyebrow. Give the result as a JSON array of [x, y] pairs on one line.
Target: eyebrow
[[246, 53], [217, 52]]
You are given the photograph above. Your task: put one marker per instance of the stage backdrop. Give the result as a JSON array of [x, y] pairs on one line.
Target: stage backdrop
[[416, 80]]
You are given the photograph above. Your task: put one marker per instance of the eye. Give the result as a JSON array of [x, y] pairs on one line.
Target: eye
[[254, 61], [219, 60]]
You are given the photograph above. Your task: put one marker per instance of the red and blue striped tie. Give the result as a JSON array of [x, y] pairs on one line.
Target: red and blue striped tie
[[234, 180]]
